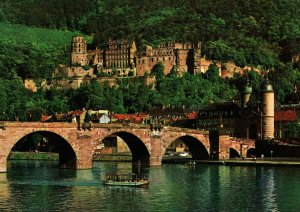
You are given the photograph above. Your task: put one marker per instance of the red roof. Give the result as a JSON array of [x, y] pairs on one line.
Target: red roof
[[137, 118], [119, 116], [45, 118], [193, 115], [285, 115], [76, 112]]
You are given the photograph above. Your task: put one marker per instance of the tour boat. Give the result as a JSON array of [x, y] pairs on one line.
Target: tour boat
[[132, 180]]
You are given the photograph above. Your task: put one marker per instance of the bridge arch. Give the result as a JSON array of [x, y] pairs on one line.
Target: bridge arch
[[66, 151], [251, 153], [139, 150], [197, 148], [233, 153]]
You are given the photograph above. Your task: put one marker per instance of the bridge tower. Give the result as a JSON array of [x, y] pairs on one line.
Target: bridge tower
[[268, 110], [79, 51], [245, 94]]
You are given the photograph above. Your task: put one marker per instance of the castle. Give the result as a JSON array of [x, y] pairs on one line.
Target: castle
[[120, 58], [123, 58]]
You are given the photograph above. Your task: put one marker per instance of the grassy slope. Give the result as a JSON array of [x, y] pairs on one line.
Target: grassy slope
[[37, 36]]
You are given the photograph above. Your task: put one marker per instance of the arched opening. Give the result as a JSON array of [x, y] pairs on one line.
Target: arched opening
[[187, 147], [115, 143], [42, 143], [233, 153], [251, 153]]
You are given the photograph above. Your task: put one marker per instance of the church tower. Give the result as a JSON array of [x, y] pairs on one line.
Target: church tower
[[79, 51], [268, 110]]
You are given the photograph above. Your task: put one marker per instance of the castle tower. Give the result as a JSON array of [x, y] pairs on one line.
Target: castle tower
[[79, 51], [197, 58], [132, 54], [245, 94], [268, 110]]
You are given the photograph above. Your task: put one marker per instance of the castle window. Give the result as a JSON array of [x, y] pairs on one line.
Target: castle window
[[79, 50], [152, 59]]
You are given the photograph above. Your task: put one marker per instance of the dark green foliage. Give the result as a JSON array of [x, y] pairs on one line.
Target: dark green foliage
[[260, 33], [213, 73], [32, 52], [248, 32], [293, 130], [14, 98]]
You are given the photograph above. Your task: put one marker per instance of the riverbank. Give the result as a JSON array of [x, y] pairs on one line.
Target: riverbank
[[113, 157], [128, 158], [295, 162], [33, 156]]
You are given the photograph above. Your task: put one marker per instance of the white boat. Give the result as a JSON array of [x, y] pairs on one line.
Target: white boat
[[132, 180]]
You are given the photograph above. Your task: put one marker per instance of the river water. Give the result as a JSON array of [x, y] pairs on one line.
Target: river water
[[42, 186]]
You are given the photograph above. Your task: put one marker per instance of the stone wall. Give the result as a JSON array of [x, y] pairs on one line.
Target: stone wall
[[241, 145], [145, 145]]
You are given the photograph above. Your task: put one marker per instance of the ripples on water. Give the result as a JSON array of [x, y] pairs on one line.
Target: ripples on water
[[36, 186]]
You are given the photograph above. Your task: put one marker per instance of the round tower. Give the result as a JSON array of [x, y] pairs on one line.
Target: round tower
[[268, 110], [245, 94], [79, 51]]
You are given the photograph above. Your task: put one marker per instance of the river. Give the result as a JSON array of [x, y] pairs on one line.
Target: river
[[42, 186]]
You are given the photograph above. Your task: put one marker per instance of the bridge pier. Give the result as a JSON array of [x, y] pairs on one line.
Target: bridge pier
[[84, 164], [155, 161], [3, 163]]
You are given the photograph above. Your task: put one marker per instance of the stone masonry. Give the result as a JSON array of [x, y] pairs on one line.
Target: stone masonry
[[144, 143]]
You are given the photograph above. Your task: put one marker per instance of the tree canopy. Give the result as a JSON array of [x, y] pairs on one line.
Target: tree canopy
[[35, 37]]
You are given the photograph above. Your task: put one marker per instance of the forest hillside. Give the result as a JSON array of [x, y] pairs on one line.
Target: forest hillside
[[35, 37]]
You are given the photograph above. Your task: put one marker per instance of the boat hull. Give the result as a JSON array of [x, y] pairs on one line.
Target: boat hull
[[131, 184]]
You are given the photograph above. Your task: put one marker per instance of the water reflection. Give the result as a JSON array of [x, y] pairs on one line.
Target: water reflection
[[4, 191], [269, 190], [38, 187]]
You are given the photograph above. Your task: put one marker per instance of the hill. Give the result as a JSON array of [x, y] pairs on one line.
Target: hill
[[32, 52], [248, 32], [35, 37]]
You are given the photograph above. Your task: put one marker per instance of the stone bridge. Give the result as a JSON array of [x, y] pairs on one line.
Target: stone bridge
[[76, 146]]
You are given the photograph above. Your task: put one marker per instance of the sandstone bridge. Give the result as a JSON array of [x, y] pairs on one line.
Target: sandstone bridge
[[76, 146]]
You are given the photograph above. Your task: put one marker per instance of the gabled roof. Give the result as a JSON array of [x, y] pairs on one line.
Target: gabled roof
[[45, 118], [285, 115]]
